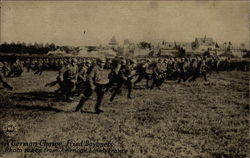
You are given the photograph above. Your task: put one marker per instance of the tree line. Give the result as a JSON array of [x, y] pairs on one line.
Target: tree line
[[35, 48]]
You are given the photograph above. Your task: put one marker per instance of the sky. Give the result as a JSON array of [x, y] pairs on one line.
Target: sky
[[64, 22]]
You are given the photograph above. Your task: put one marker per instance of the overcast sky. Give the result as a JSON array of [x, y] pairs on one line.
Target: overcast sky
[[64, 22]]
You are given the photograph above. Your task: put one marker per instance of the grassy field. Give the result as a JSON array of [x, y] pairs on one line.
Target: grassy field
[[179, 120]]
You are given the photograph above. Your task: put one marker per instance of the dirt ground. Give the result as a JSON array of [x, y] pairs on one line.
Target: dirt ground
[[203, 120]]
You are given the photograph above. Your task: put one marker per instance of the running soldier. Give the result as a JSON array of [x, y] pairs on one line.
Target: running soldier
[[158, 74], [70, 79], [97, 81], [142, 70], [125, 76], [3, 80]]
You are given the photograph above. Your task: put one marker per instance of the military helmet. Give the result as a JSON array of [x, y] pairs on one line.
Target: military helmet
[[123, 61], [74, 60], [100, 60], [133, 61]]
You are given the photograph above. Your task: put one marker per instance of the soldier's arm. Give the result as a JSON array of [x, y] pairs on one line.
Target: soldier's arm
[[117, 69], [91, 77], [122, 74]]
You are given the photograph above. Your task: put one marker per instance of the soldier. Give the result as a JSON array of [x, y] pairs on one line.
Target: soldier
[[28, 64], [5, 68], [70, 79], [5, 83], [200, 70], [16, 69], [142, 70], [97, 81], [158, 74], [216, 64], [115, 67], [125, 76], [227, 64], [81, 78], [39, 67], [183, 69]]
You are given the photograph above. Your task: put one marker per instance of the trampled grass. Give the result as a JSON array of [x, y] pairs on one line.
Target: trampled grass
[[179, 120]]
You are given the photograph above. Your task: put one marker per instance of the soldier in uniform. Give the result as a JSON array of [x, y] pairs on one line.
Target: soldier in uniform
[[5, 83], [97, 81], [81, 78], [227, 64], [39, 67], [216, 64], [200, 69], [125, 76], [16, 69], [70, 79], [113, 76], [142, 70], [184, 66], [5, 68], [158, 74]]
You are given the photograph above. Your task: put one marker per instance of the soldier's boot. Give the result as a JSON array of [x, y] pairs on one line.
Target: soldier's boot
[[8, 85], [81, 103], [97, 106], [138, 80], [130, 87], [147, 83], [117, 89], [98, 103], [113, 95], [205, 76], [153, 84]]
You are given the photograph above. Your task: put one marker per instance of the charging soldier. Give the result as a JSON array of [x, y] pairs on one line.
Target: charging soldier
[[70, 79], [125, 76], [5, 83], [97, 81], [158, 74], [142, 70]]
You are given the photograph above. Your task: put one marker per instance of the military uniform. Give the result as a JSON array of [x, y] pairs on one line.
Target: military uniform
[[184, 70], [70, 79], [158, 74], [124, 77], [81, 79], [97, 81], [142, 70], [199, 69], [5, 83]]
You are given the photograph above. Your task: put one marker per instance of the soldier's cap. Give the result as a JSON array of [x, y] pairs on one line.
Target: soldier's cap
[[74, 60], [88, 61], [133, 61], [123, 61], [101, 60]]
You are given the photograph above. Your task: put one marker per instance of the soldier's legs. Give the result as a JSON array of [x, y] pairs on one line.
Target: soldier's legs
[[40, 71], [147, 80], [139, 79], [100, 94], [86, 94], [204, 75], [153, 83], [117, 89], [130, 87], [159, 82], [180, 77], [5, 83], [194, 76], [70, 87]]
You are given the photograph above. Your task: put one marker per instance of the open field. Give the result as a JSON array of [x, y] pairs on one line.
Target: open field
[[179, 120]]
